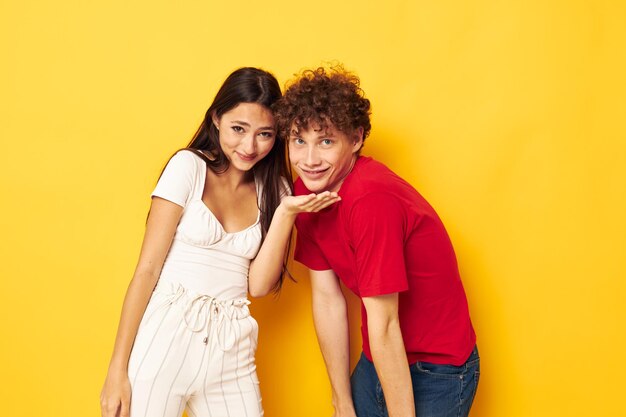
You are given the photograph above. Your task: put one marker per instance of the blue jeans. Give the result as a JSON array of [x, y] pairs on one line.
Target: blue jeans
[[438, 390]]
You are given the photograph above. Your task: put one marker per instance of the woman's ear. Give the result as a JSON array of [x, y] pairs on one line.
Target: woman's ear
[[216, 121]]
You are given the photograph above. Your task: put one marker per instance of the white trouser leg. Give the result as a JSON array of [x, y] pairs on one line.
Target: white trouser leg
[[194, 352]]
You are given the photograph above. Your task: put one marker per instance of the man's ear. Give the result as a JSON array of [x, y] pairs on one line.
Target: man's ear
[[358, 139]]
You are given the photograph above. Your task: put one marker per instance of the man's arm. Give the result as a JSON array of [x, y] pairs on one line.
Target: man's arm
[[331, 324], [389, 355]]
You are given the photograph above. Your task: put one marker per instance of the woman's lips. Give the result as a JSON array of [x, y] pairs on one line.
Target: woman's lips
[[245, 157]]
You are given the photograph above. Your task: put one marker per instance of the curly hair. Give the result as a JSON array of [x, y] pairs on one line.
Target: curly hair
[[323, 96]]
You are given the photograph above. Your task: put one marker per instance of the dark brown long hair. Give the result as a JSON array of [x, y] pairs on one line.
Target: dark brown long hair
[[247, 85]]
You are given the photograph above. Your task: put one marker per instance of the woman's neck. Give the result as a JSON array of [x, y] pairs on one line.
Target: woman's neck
[[232, 179]]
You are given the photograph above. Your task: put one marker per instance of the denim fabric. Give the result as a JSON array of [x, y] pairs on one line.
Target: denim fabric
[[438, 390]]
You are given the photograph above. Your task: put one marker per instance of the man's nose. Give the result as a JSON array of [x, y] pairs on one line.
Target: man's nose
[[312, 156]]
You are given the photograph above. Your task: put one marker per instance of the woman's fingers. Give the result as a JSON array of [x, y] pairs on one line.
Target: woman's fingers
[[322, 201], [326, 203], [125, 408], [125, 400], [311, 202], [109, 407], [115, 398]]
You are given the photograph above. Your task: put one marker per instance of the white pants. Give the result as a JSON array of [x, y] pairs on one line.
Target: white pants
[[195, 352]]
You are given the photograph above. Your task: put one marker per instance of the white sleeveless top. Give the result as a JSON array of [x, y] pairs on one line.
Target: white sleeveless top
[[203, 256]]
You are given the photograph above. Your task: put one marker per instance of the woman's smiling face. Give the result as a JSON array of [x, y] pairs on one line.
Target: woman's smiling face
[[247, 134]]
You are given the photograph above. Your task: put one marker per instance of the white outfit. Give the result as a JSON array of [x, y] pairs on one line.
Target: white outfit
[[196, 343]]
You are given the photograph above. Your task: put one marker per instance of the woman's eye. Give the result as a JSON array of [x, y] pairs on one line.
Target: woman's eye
[[267, 135], [237, 129]]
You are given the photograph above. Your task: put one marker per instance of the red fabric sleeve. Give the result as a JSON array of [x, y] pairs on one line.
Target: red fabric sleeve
[[377, 225], [307, 251]]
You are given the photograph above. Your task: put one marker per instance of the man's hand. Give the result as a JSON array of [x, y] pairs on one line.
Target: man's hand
[[346, 410]]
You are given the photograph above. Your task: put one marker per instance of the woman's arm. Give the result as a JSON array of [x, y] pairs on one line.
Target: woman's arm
[[160, 228], [266, 268]]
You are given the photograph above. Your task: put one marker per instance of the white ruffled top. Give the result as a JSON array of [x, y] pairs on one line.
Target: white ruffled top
[[203, 256]]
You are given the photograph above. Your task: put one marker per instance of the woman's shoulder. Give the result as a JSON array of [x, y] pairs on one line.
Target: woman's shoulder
[[187, 160], [188, 155]]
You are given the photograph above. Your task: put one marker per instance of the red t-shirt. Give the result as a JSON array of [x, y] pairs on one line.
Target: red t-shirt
[[383, 237]]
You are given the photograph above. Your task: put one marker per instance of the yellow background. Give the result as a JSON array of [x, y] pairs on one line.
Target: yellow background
[[507, 115]]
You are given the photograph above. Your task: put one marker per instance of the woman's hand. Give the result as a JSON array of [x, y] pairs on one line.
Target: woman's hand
[[115, 396], [266, 268], [310, 203]]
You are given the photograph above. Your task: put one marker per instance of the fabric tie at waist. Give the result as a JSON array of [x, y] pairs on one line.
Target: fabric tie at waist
[[204, 312]]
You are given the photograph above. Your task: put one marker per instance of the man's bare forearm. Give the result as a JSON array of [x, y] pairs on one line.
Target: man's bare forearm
[[389, 354], [331, 324]]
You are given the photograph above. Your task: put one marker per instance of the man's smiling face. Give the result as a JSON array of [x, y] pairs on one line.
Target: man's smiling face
[[323, 157]]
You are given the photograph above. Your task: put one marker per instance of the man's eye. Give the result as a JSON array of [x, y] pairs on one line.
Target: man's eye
[[298, 141], [327, 142]]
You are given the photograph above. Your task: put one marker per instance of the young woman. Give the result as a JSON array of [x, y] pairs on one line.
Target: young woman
[[218, 227]]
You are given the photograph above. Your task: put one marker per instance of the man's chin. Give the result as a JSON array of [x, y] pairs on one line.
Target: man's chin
[[313, 186]]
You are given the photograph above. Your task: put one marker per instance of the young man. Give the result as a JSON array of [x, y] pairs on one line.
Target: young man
[[388, 246]]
